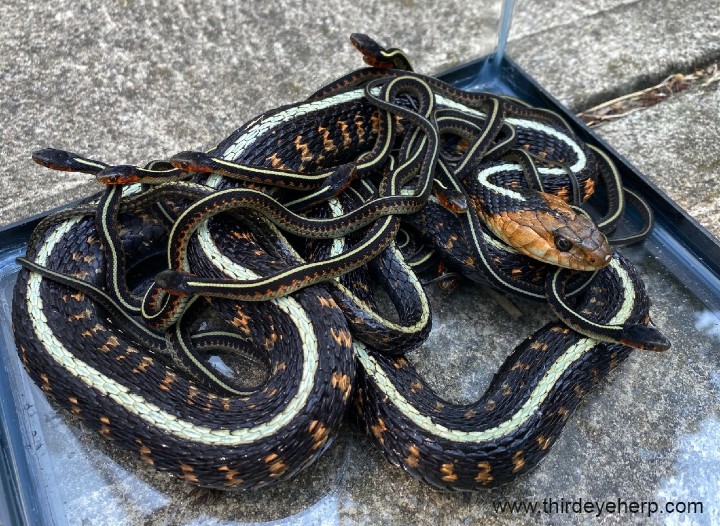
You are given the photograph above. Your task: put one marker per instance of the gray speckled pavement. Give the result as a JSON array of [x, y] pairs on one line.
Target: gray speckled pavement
[[134, 80]]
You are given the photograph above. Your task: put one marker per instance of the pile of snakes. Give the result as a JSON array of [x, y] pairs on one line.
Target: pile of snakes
[[134, 308]]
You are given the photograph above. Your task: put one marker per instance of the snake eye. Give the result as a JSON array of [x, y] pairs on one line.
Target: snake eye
[[562, 244]]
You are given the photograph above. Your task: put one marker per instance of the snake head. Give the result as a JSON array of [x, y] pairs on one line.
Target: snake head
[[553, 232], [120, 174], [377, 56]]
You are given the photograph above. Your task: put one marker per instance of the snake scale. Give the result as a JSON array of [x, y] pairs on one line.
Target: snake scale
[[143, 310]]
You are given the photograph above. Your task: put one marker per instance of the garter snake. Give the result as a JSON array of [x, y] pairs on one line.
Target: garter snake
[[142, 403], [508, 430], [230, 228]]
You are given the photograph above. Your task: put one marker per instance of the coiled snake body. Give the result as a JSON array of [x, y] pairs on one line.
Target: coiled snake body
[[263, 247]]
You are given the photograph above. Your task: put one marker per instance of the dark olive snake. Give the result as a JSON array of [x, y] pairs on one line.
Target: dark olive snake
[[266, 247]]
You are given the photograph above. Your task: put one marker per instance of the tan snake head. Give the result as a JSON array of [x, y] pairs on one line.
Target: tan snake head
[[555, 234]]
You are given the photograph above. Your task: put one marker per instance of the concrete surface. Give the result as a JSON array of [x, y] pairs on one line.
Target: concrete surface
[[135, 80], [621, 47], [676, 144]]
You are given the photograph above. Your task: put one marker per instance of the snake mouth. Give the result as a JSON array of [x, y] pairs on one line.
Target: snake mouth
[[118, 175], [555, 234], [585, 258]]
